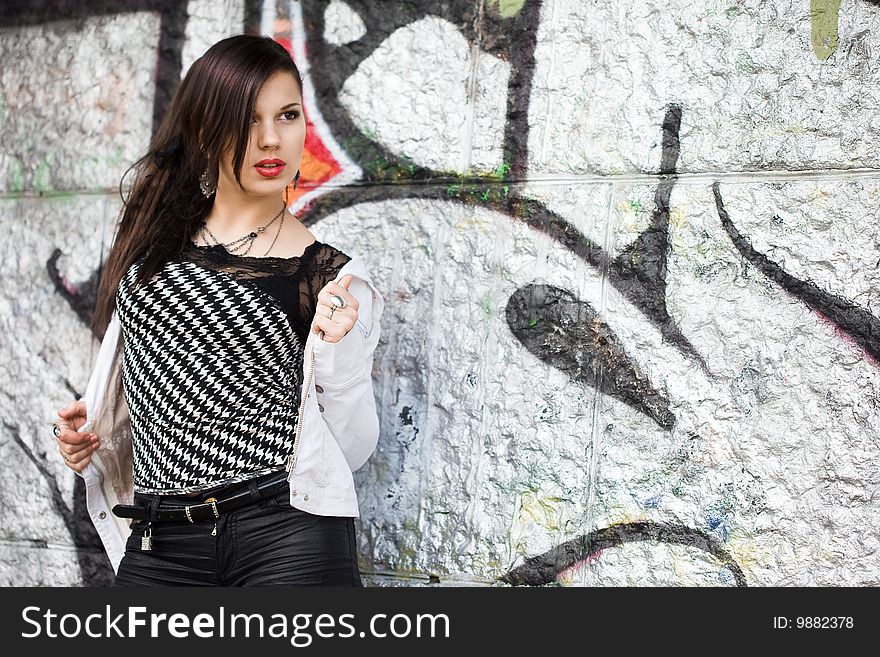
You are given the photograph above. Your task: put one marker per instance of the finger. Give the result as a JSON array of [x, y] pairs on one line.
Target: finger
[[74, 454], [71, 437], [340, 324], [74, 408], [70, 425], [344, 316], [343, 282], [350, 300], [67, 409], [331, 329], [314, 327], [325, 324], [68, 449], [80, 464], [74, 415], [336, 288]]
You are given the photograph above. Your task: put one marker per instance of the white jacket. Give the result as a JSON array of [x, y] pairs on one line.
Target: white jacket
[[339, 425]]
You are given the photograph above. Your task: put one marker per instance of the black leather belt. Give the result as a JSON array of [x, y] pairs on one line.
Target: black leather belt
[[209, 509]]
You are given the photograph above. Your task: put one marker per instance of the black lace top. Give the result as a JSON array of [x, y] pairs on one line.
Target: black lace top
[[212, 361], [293, 283]]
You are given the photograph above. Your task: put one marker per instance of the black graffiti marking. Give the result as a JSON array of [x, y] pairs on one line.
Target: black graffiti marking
[[568, 334], [544, 568], [407, 420], [856, 322], [94, 565], [519, 88], [71, 389], [80, 296], [639, 272]]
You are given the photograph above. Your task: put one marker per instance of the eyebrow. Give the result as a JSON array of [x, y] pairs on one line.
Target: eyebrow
[[289, 105]]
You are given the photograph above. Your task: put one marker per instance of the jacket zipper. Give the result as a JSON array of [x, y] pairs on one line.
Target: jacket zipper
[[291, 460]]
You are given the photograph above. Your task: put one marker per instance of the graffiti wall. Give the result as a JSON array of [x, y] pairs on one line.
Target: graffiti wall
[[630, 253]]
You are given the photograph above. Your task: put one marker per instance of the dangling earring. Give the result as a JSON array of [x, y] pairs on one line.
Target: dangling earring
[[295, 178], [206, 187]]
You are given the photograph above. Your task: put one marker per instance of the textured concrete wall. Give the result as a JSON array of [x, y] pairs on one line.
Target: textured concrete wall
[[630, 252]]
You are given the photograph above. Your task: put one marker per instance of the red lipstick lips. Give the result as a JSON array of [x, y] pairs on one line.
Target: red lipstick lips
[[270, 168]]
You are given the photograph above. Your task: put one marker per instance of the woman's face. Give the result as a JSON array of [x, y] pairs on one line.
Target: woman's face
[[277, 132]]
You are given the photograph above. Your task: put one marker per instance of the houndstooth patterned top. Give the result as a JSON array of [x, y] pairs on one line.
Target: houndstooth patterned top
[[212, 359]]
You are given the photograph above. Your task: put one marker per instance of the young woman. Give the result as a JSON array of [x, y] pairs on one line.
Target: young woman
[[232, 396]]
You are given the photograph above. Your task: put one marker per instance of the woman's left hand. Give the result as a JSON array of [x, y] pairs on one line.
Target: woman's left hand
[[335, 322]]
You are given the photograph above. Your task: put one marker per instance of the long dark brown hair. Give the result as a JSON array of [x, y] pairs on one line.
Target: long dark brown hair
[[209, 113]]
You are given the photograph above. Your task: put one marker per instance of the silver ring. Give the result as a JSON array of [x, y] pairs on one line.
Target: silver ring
[[56, 429], [332, 310], [337, 301]]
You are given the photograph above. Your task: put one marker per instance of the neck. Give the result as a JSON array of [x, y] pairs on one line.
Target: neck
[[232, 218]]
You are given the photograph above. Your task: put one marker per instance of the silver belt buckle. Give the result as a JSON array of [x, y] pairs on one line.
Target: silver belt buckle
[[213, 502]]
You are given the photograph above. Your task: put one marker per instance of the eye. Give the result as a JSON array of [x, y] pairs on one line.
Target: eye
[[293, 114]]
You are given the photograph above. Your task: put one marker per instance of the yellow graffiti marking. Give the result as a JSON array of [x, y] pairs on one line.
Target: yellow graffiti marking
[[506, 8], [677, 218], [824, 16]]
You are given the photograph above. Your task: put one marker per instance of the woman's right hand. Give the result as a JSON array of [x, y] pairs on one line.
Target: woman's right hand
[[76, 447]]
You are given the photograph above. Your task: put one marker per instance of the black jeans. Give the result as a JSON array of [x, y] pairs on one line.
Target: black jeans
[[267, 543]]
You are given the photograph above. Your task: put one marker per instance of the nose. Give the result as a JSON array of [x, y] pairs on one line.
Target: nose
[[267, 136]]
